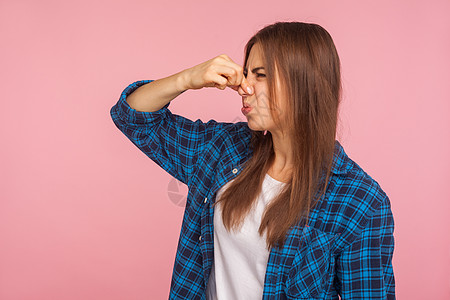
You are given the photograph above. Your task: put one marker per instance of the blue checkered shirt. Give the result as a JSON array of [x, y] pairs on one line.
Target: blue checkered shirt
[[346, 249]]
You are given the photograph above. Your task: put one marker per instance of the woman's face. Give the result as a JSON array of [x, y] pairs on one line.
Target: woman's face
[[259, 118]]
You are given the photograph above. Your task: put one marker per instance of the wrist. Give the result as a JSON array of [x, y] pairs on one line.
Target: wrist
[[181, 81]]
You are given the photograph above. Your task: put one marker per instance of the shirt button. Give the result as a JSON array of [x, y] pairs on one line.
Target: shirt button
[[234, 171], [200, 238], [206, 199]]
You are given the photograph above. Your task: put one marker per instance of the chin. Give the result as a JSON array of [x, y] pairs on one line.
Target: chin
[[251, 124]]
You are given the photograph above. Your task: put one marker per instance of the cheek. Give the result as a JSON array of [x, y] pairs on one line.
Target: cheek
[[262, 95]]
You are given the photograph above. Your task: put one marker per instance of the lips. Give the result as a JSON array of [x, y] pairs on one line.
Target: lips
[[246, 110], [245, 105]]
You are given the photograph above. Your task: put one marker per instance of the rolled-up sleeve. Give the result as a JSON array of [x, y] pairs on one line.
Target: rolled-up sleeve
[[171, 141], [364, 268]]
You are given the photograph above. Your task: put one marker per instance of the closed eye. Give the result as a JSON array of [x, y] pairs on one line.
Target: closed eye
[[257, 75]]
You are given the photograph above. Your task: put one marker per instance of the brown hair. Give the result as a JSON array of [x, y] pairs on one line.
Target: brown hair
[[304, 58]]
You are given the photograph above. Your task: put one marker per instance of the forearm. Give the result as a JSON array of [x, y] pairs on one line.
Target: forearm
[[153, 96]]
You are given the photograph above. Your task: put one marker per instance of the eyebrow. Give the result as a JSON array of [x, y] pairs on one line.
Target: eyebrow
[[255, 69]]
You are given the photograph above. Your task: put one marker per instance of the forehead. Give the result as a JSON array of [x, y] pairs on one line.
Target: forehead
[[255, 56]]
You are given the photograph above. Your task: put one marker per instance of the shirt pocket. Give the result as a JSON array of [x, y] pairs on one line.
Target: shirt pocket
[[312, 266]]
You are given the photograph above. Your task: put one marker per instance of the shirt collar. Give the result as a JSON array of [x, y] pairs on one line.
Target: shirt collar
[[341, 162]]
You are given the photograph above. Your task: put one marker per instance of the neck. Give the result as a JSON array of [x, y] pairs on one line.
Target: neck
[[282, 162]]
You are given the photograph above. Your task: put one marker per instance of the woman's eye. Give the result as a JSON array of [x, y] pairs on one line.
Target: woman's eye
[[257, 74]]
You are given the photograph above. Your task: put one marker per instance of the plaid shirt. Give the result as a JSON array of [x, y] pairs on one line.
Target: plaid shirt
[[345, 251]]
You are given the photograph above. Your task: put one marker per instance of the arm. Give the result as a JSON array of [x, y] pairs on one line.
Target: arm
[[364, 268], [218, 72], [171, 141], [155, 94]]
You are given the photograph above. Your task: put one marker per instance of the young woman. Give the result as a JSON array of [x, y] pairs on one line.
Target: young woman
[[275, 209]]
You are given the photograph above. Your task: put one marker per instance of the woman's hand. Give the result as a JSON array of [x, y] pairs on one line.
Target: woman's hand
[[218, 72]]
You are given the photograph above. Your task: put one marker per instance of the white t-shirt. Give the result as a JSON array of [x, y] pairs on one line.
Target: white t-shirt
[[240, 259]]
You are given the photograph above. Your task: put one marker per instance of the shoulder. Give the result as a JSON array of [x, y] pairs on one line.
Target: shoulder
[[357, 186], [352, 199], [350, 182], [227, 129], [238, 128], [235, 137]]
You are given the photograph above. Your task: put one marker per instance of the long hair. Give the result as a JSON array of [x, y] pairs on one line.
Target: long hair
[[304, 59]]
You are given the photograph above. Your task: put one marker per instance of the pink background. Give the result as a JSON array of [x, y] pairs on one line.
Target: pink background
[[85, 215]]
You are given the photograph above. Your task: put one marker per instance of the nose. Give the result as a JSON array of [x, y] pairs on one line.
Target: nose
[[246, 93], [243, 88], [250, 80]]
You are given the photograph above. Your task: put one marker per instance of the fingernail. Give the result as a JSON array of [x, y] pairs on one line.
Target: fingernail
[[249, 90]]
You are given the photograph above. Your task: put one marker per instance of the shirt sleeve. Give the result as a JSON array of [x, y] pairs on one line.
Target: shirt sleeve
[[171, 141], [364, 268]]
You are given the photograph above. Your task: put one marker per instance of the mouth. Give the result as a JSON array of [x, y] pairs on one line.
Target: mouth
[[245, 110]]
